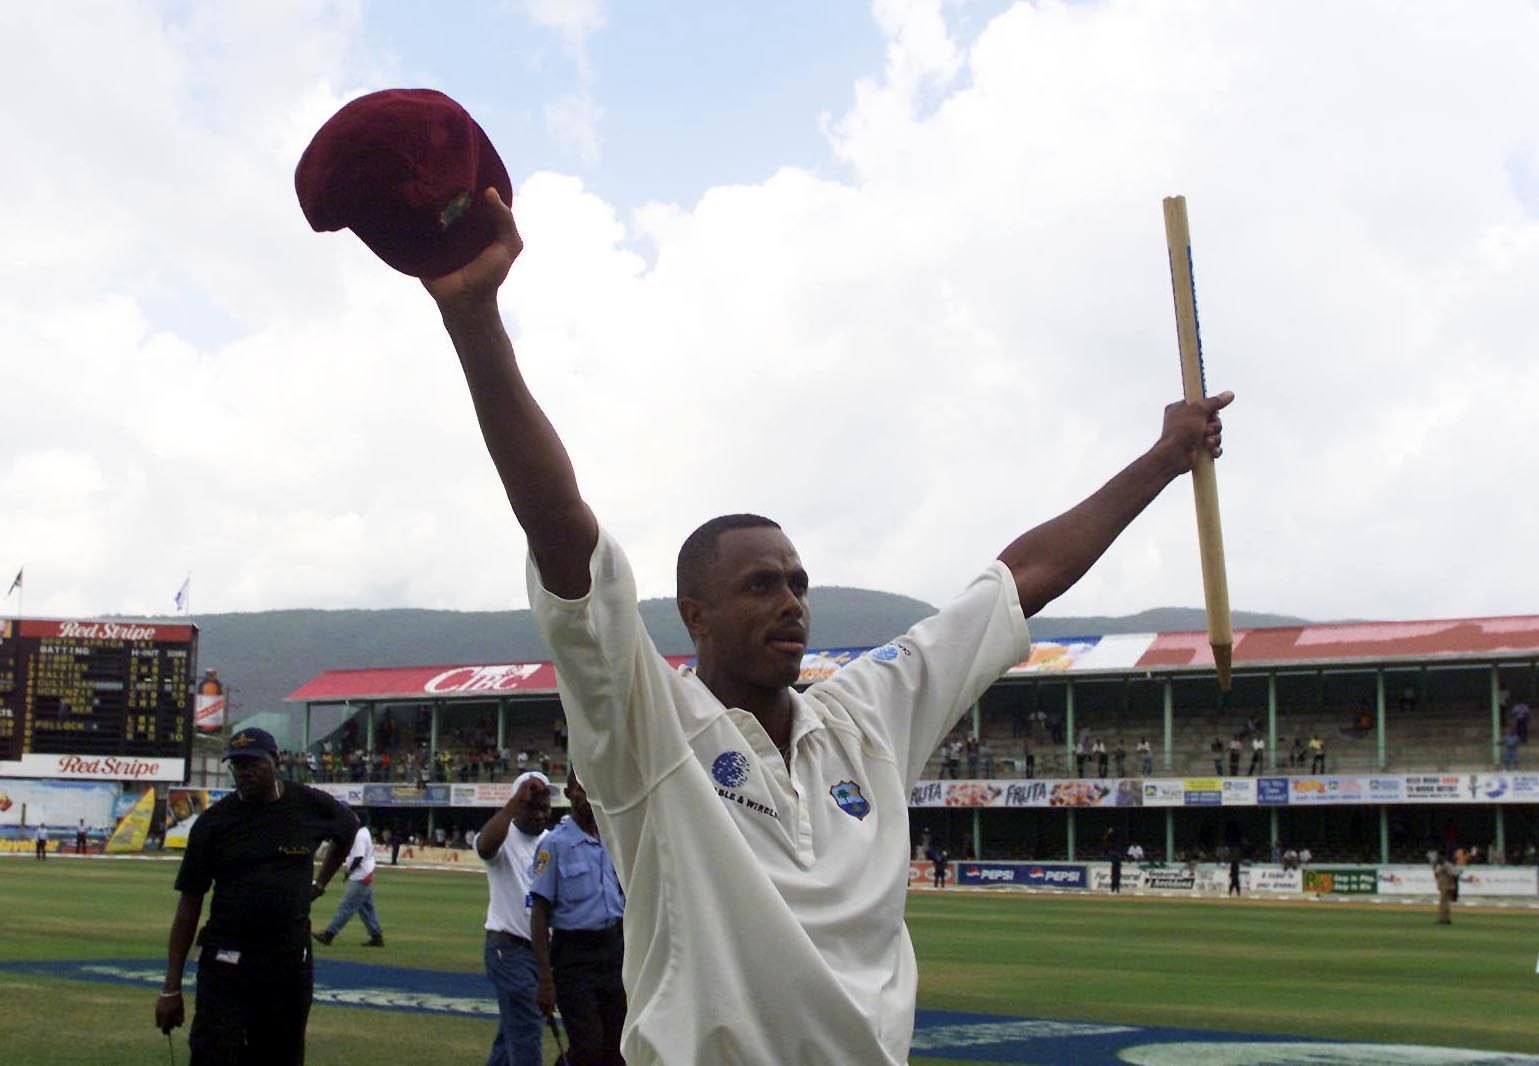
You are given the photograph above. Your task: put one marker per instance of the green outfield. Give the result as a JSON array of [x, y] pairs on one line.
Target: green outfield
[[1355, 972]]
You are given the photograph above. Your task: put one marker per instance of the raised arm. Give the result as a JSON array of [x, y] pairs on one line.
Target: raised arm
[[1049, 559], [495, 831], [530, 458]]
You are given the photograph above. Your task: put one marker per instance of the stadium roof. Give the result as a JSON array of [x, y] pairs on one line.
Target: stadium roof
[[1467, 641]]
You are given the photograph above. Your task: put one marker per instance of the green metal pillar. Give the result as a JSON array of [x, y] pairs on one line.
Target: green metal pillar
[[1271, 726], [433, 731], [1068, 744], [1378, 676], [368, 724], [502, 724], [977, 833], [1070, 812], [1170, 834], [1501, 833], [1276, 840], [1170, 727], [1496, 716], [304, 742], [1383, 825]]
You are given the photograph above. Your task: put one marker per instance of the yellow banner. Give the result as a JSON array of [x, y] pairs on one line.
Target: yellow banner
[[133, 827]]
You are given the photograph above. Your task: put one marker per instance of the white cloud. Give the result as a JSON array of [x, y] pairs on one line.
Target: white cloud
[[964, 334], [574, 20]]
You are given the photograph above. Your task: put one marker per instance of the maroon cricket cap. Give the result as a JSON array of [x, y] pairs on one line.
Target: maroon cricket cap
[[405, 170]]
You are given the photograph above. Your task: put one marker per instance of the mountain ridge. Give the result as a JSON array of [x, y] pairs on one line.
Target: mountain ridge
[[262, 656]]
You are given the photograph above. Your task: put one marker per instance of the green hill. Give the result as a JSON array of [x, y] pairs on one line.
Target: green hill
[[265, 655]]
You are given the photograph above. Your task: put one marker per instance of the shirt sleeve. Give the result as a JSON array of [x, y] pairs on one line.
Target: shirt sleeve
[[336, 820], [196, 874], [617, 692], [544, 872], [908, 693]]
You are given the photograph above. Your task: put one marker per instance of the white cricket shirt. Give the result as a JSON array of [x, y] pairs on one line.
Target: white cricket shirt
[[363, 848], [507, 882], [764, 907]]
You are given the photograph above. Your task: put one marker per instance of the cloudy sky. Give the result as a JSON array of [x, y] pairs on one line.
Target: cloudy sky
[[893, 273]]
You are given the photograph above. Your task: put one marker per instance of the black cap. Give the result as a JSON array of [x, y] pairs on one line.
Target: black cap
[[247, 743]]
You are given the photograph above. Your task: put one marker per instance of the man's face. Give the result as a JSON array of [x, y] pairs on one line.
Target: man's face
[[534, 814], [255, 777], [751, 621]]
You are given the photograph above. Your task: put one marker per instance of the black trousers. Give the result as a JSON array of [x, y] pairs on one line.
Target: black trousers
[[251, 1011], [590, 994]]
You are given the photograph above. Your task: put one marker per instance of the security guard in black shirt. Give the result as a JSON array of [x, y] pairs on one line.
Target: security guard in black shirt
[[255, 848]]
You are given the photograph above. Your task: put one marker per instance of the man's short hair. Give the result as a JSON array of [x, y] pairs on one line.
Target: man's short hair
[[702, 546]]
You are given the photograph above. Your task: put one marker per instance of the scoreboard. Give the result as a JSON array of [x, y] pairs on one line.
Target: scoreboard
[[97, 698]]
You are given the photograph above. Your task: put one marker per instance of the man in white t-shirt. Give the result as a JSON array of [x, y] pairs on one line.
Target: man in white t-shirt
[[359, 897], [507, 844], [760, 834]]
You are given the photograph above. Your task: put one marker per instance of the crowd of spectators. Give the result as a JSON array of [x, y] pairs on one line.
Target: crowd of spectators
[[467, 753]]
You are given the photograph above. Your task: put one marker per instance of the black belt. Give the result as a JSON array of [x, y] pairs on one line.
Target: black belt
[[589, 936], [497, 936]]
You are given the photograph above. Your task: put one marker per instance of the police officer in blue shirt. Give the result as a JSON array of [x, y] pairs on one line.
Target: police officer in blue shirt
[[576, 906]]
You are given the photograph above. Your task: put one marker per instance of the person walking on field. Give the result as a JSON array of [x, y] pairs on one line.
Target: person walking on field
[[575, 923], [1447, 875], [937, 857], [507, 844], [359, 897], [255, 848]]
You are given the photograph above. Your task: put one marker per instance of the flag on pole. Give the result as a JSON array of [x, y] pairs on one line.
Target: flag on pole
[[181, 594], [14, 584]]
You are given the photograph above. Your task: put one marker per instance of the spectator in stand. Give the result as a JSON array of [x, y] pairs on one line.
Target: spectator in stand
[[972, 756], [82, 838], [558, 734], [1407, 700], [1081, 753], [986, 758], [951, 766], [1257, 750], [1217, 748], [1305, 857], [1361, 726], [1135, 852], [1030, 757], [1296, 756], [1120, 758], [1234, 755], [1098, 749], [1290, 859], [1510, 748], [1316, 753], [522, 762], [1145, 752], [1519, 716]]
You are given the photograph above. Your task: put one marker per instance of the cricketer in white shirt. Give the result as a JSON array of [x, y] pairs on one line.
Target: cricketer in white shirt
[[764, 916]]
